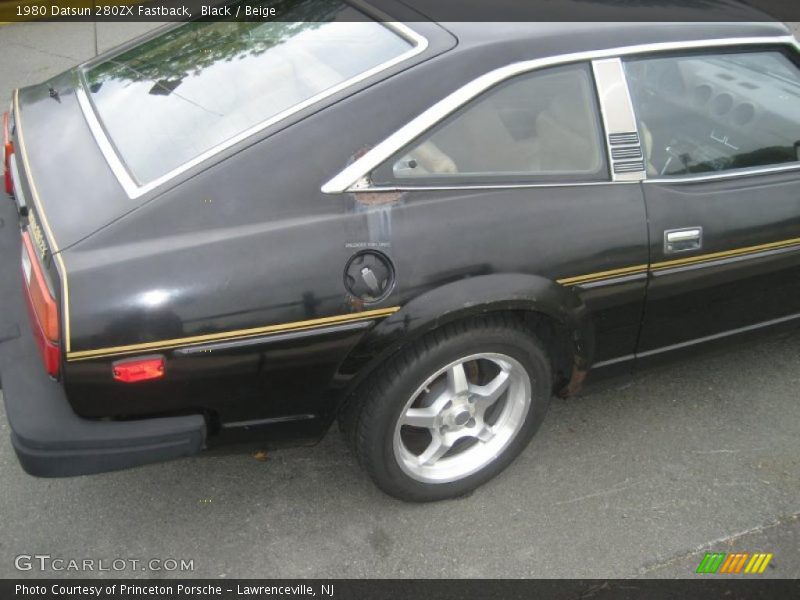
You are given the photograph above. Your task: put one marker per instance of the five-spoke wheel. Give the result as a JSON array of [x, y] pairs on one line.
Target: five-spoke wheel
[[452, 410], [462, 417]]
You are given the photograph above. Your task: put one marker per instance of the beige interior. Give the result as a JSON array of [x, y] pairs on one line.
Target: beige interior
[[555, 133]]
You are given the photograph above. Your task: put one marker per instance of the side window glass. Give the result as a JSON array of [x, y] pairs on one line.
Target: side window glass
[[541, 125], [717, 112]]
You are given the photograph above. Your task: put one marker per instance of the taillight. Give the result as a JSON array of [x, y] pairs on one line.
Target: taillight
[[42, 307], [138, 369], [8, 150]]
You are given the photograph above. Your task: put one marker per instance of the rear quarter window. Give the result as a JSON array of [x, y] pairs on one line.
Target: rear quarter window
[[542, 125], [185, 92]]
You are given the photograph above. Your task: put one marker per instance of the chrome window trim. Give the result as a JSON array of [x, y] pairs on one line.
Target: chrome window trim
[[134, 188], [355, 177], [731, 174], [487, 186], [115, 163]]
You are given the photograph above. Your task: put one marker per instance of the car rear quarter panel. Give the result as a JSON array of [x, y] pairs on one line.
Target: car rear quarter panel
[[247, 242]]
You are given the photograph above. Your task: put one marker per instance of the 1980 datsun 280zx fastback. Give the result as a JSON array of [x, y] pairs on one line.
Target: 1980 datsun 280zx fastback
[[235, 231]]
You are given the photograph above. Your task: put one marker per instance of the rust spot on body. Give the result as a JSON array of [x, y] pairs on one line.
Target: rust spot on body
[[575, 383]]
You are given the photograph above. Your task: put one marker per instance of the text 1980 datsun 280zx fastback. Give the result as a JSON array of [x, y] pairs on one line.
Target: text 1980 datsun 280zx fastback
[[242, 231]]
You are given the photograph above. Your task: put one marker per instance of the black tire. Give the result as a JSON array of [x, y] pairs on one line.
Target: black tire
[[370, 416]]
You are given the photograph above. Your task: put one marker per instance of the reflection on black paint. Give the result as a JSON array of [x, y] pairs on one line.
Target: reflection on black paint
[[141, 325]]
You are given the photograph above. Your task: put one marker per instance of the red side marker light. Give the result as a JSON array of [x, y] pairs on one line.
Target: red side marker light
[[8, 150], [138, 369]]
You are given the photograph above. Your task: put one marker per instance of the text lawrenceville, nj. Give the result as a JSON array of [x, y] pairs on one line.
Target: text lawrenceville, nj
[[123, 589]]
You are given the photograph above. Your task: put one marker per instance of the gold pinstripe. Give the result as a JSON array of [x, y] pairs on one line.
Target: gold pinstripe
[[232, 335], [726, 254], [600, 275], [679, 262]]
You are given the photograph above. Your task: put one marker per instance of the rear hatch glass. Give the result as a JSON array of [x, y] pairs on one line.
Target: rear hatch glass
[[192, 89]]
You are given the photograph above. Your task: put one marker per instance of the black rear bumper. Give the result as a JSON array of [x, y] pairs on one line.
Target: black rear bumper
[[49, 438]]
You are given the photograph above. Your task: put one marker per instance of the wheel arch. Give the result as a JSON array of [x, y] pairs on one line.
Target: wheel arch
[[549, 310]]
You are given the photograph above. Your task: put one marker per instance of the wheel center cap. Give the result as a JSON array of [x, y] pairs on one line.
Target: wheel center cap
[[461, 418]]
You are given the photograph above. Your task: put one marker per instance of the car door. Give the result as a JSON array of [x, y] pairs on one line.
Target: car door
[[721, 130]]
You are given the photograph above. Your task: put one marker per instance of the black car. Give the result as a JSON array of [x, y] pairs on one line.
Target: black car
[[244, 231]]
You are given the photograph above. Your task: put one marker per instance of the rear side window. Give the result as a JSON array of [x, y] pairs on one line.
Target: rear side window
[[716, 112], [177, 96], [538, 126]]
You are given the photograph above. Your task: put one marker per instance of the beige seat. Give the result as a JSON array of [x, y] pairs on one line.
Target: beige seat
[[478, 142], [566, 138], [647, 148], [497, 150], [430, 159], [563, 140]]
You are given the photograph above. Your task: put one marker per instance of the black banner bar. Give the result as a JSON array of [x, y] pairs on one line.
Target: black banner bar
[[407, 10], [708, 588]]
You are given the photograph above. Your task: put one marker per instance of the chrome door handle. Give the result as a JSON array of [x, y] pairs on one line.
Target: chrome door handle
[[683, 240]]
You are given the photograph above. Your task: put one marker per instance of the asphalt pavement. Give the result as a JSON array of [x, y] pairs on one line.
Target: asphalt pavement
[[636, 480]]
